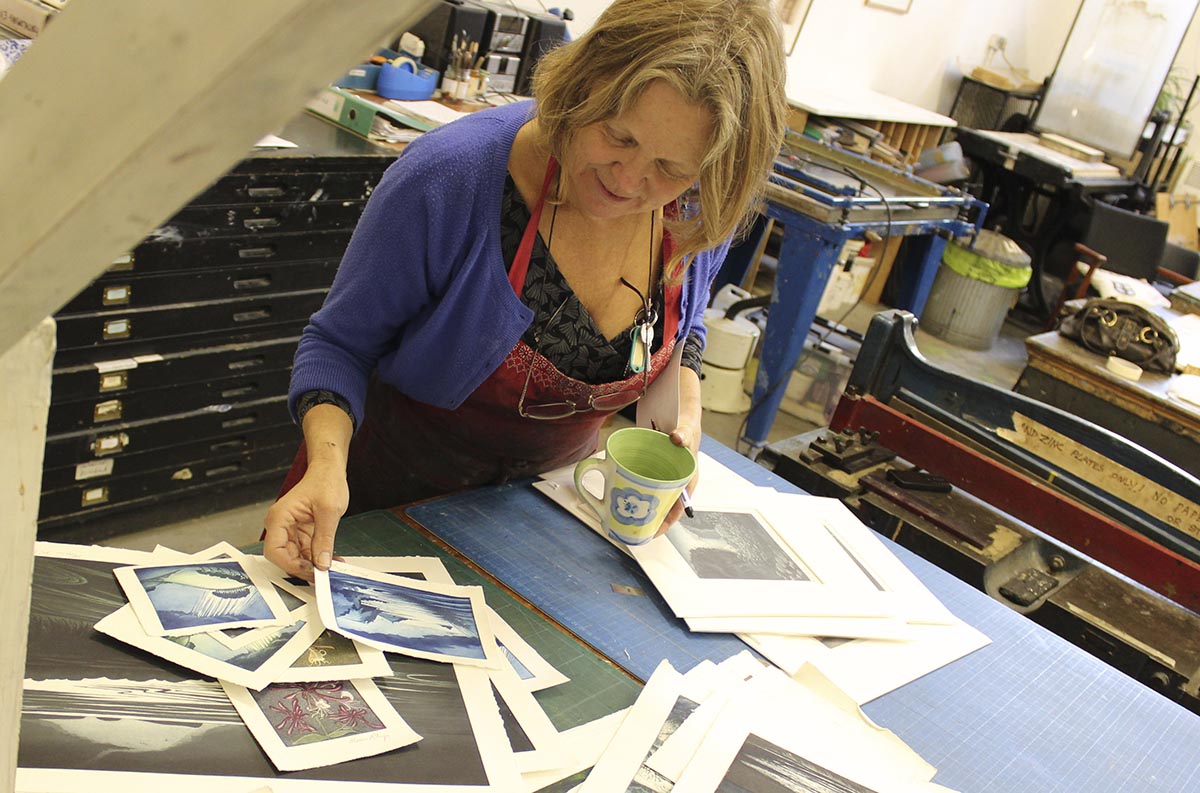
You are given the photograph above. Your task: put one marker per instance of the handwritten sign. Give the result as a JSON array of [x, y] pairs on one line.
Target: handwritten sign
[[1091, 466]]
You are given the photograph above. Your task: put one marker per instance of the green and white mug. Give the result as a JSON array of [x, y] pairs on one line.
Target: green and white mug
[[644, 473]]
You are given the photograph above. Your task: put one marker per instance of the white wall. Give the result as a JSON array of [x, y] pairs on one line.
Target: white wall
[[920, 56]]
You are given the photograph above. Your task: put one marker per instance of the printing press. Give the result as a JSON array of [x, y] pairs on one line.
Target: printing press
[[1067, 523]]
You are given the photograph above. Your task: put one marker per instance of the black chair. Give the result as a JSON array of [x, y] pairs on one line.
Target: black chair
[[1180, 261], [1117, 240]]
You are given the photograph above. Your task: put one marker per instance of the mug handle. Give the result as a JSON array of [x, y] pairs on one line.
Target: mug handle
[[581, 468]]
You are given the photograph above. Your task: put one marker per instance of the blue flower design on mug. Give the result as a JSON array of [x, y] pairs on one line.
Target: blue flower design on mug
[[633, 508]]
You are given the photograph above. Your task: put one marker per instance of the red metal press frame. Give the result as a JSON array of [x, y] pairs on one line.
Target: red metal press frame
[[1027, 499]]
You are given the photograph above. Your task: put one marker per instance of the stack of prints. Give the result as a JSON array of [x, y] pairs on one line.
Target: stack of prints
[[798, 578]]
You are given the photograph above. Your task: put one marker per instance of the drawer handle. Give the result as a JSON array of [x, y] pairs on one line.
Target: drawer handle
[[264, 252], [106, 411], [117, 295], [253, 315], [230, 393], [223, 470], [265, 192], [254, 224], [247, 363], [122, 264], [117, 329], [93, 496], [242, 284], [229, 446], [114, 381], [109, 444], [244, 421]]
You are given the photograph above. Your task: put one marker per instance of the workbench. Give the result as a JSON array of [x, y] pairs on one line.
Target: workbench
[[1060, 372], [1027, 712]]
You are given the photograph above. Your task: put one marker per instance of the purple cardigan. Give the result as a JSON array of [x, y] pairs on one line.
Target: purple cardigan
[[422, 293]]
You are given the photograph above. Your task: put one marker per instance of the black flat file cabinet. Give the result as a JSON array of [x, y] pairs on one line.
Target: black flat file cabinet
[[170, 379]]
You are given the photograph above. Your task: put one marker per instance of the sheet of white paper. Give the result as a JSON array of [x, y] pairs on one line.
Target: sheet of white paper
[[832, 738], [585, 743], [253, 667], [887, 628], [98, 553], [548, 749], [677, 748], [309, 727], [274, 142], [425, 109], [439, 622], [735, 560], [865, 668], [182, 598], [865, 548], [534, 671], [629, 747]]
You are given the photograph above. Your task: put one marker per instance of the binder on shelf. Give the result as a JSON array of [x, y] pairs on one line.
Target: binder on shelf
[[356, 112]]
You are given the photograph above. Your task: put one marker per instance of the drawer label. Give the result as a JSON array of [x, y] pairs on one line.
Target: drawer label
[[94, 468]]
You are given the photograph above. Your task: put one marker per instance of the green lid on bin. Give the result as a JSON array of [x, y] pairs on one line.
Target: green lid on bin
[[995, 259]]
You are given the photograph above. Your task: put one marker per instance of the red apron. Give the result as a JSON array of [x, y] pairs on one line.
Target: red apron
[[407, 450]]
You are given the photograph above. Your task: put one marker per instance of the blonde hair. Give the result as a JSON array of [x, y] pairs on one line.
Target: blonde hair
[[725, 55]]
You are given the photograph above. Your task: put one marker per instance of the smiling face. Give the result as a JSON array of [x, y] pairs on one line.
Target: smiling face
[[638, 160]]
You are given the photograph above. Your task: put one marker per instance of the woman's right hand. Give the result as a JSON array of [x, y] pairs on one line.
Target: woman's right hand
[[301, 524]]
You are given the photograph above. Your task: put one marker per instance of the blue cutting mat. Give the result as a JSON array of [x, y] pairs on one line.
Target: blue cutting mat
[[1030, 712]]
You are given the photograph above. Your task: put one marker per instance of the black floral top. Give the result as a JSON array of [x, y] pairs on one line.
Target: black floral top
[[572, 342]]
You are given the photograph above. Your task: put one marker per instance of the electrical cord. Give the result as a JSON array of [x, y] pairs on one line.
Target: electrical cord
[[823, 338]]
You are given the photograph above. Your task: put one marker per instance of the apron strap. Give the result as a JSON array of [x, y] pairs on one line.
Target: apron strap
[[520, 265]]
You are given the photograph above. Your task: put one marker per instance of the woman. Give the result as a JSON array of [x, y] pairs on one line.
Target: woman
[[522, 273]]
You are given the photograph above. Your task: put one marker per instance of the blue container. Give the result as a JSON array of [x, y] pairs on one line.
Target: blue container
[[363, 77], [406, 81]]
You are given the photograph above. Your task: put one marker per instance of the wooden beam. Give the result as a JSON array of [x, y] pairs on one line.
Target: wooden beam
[[121, 112], [112, 121], [24, 402]]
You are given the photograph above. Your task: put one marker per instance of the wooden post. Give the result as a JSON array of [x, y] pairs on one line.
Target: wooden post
[[24, 402], [116, 116]]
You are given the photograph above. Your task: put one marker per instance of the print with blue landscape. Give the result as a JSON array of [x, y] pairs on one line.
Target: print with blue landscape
[[404, 617], [206, 593]]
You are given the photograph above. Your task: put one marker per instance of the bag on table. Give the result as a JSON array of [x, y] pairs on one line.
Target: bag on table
[[1111, 327]]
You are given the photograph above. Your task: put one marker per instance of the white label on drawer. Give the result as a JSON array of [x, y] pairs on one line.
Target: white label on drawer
[[119, 365], [358, 72], [154, 358], [93, 469]]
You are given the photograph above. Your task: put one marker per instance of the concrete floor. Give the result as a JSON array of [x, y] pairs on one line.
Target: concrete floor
[[1001, 366]]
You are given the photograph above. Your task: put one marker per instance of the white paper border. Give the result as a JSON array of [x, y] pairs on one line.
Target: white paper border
[[493, 659], [395, 733], [146, 612]]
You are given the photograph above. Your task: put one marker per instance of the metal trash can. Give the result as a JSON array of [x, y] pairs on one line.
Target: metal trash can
[[974, 290]]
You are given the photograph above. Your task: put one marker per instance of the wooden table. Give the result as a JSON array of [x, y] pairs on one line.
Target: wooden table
[[1062, 373]]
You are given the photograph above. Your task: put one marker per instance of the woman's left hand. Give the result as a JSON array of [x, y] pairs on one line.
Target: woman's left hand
[[687, 434], [687, 437]]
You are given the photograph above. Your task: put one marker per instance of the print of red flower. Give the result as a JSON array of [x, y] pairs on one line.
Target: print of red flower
[[294, 718], [354, 717]]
